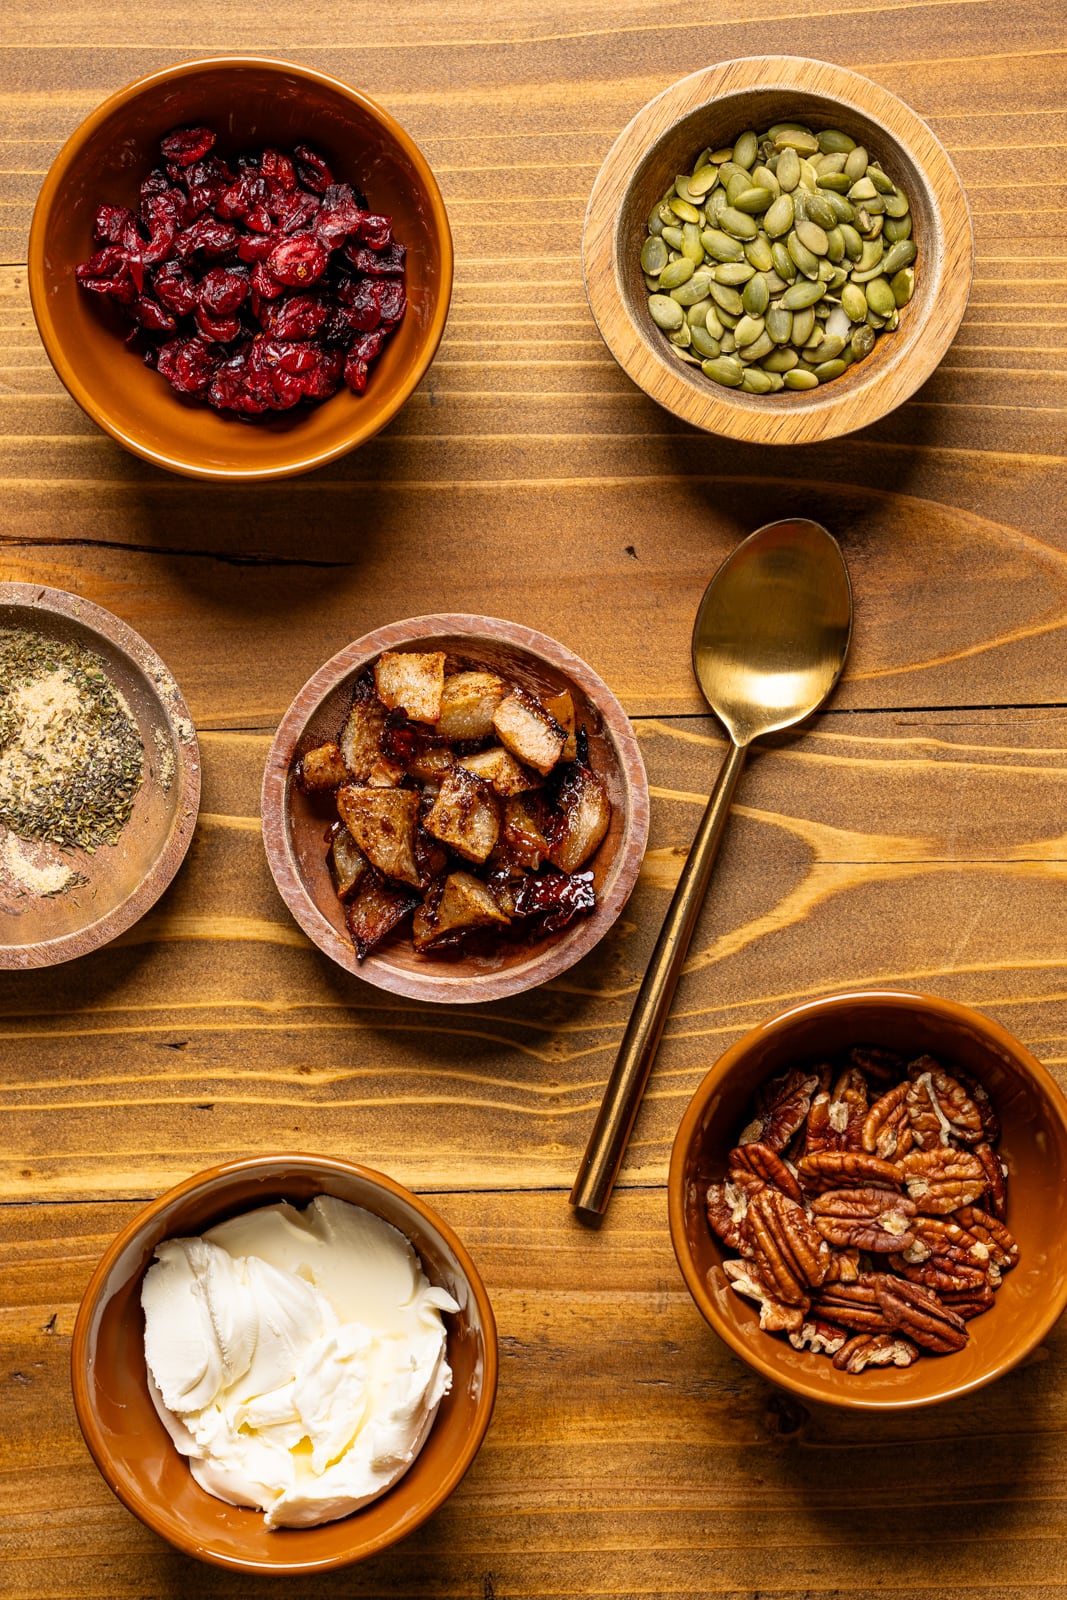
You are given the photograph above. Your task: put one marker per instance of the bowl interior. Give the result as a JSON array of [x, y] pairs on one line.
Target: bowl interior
[[1033, 1145], [121, 880], [132, 1448], [720, 123], [319, 714], [250, 104]]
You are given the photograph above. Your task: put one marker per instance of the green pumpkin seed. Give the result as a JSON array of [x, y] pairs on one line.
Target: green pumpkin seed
[[832, 139], [783, 262], [703, 182], [812, 237], [856, 163], [748, 330], [901, 254], [778, 322], [764, 178], [725, 154], [819, 211], [830, 369], [798, 139], [843, 210], [788, 170], [665, 312], [896, 204], [715, 203], [835, 246], [806, 262], [897, 228], [653, 256], [746, 149], [697, 315], [862, 341], [719, 245], [803, 324], [654, 225], [691, 293], [780, 361], [829, 350], [728, 299], [834, 182], [801, 295], [684, 209], [778, 219], [704, 344], [758, 253], [800, 380], [881, 181], [727, 342], [755, 296], [903, 285], [691, 243], [756, 381], [673, 238], [737, 224], [879, 297], [862, 189], [753, 201], [682, 337], [757, 349], [853, 302], [726, 370], [853, 242], [871, 255], [735, 273], [737, 183], [676, 273]]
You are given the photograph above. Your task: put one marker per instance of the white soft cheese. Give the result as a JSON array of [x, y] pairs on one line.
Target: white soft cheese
[[296, 1357]]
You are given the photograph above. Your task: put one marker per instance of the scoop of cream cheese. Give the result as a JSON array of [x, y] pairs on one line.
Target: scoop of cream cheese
[[296, 1357]]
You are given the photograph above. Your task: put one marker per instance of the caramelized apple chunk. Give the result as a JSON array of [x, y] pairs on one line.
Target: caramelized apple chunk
[[411, 681], [376, 909], [525, 728], [383, 824], [501, 771], [461, 903], [582, 820], [464, 815], [468, 701], [322, 768]]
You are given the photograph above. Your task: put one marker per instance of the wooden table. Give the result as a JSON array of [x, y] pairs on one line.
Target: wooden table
[[914, 835]]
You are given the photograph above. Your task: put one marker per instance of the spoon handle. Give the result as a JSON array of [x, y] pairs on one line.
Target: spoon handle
[[618, 1109]]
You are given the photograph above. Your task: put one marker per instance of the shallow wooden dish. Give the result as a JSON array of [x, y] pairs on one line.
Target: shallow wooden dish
[[133, 1450], [294, 824], [713, 107], [250, 102], [1033, 1115], [127, 878]]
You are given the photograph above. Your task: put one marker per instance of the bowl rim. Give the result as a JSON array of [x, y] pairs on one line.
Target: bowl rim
[[821, 414], [313, 1165], [749, 1351], [464, 989], [300, 461], [31, 597]]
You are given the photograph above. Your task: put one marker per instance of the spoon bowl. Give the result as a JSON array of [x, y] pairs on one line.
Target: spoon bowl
[[769, 643]]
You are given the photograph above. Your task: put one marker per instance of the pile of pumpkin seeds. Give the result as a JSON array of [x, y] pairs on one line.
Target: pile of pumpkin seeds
[[778, 260]]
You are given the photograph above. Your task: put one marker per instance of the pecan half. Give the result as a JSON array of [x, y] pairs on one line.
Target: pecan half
[[942, 1179], [968, 1303], [774, 1316], [864, 1219], [886, 1128], [844, 1266], [999, 1241], [821, 1338], [781, 1106], [726, 1205], [920, 1314], [852, 1305], [939, 1107], [996, 1179], [944, 1255], [791, 1255], [986, 1110], [764, 1163], [875, 1350], [846, 1169]]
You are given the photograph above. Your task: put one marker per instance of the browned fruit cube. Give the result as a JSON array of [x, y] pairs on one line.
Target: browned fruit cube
[[431, 764], [385, 774], [468, 701], [322, 768], [359, 739], [527, 730], [501, 770], [383, 823], [412, 682], [561, 708], [465, 902], [464, 815], [347, 863], [376, 909], [523, 832], [584, 819]]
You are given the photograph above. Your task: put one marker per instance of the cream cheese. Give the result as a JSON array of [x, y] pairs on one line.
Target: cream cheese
[[296, 1357]]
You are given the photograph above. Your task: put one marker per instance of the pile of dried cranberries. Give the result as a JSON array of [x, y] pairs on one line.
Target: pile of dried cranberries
[[258, 285]]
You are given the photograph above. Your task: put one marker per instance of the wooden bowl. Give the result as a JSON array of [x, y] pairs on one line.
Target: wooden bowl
[[1033, 1114], [126, 878], [294, 823], [712, 108], [132, 1448], [250, 102]]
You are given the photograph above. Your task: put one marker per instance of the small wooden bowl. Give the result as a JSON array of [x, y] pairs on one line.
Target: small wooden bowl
[[1033, 1116], [250, 102], [714, 107], [294, 823], [127, 878], [132, 1448]]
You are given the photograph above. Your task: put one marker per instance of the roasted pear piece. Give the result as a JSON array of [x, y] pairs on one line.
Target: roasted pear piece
[[524, 831], [347, 862], [376, 909], [322, 768], [468, 701], [561, 708], [464, 815], [583, 812], [361, 735], [383, 822], [411, 681], [525, 728], [450, 909], [501, 771]]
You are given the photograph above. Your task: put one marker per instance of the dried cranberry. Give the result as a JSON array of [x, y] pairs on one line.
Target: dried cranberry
[[377, 231], [378, 263], [392, 301], [339, 328], [207, 181], [164, 214], [264, 285], [296, 212], [236, 387], [320, 381], [213, 238], [234, 203], [117, 225], [259, 220], [339, 216], [188, 365], [357, 372], [362, 302], [186, 145], [222, 329], [312, 170], [298, 261], [222, 290], [368, 345], [156, 182], [121, 290], [278, 168], [151, 315], [256, 247], [110, 262], [289, 355], [296, 317]]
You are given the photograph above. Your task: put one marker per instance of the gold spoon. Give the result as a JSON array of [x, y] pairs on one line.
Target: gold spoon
[[769, 643]]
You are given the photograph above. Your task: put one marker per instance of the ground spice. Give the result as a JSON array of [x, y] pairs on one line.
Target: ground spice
[[71, 758]]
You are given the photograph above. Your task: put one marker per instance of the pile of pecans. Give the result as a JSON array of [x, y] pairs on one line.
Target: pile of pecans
[[866, 1202]]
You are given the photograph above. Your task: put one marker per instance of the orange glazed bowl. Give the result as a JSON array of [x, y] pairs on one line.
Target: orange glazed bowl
[[132, 1448], [250, 103], [1033, 1146]]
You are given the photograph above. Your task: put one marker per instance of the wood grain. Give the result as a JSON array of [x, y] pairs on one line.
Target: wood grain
[[913, 835]]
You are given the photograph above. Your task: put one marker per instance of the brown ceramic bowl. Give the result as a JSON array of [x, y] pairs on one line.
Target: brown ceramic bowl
[[250, 102], [124, 880], [133, 1450], [713, 107], [1033, 1113], [294, 823]]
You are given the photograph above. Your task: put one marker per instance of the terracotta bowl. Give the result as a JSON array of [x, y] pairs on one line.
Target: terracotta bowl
[[133, 1450], [250, 102], [294, 823], [1033, 1113], [125, 879], [713, 107]]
